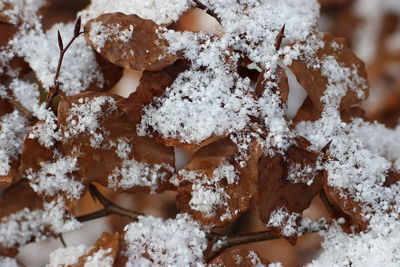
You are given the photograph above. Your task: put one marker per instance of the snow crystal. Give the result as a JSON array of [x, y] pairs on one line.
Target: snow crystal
[[67, 256], [284, 220], [83, 118], [26, 93], [13, 126], [25, 225], [161, 12], [255, 260], [56, 177], [20, 9], [207, 194], [100, 33], [47, 131], [156, 242], [378, 247], [133, 173], [100, 259], [200, 103]]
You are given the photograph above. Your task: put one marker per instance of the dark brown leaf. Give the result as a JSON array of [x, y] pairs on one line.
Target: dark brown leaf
[[140, 49]]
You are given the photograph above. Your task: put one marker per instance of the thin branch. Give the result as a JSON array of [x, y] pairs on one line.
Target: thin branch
[[236, 240], [109, 208], [56, 84], [242, 239], [60, 236], [205, 8]]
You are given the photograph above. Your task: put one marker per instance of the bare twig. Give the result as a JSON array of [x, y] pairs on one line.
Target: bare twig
[[60, 236], [109, 208], [242, 239], [205, 8], [56, 85], [235, 240]]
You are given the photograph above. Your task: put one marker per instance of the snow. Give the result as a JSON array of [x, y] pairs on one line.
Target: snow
[[40, 49], [13, 126], [67, 256], [207, 193], [284, 220], [20, 9], [46, 131], [23, 226], [164, 12], [172, 242], [26, 93], [56, 177], [132, 173], [100, 259], [83, 118], [100, 33]]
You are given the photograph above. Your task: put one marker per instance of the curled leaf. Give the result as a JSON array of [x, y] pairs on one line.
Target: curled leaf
[[213, 187], [129, 41]]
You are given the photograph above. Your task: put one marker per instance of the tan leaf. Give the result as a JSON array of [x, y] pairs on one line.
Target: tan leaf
[[213, 187], [277, 192], [129, 41]]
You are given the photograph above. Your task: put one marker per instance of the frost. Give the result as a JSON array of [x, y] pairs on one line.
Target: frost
[[156, 242]]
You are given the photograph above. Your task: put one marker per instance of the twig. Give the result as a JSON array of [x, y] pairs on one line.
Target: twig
[[60, 236], [242, 239], [207, 10], [235, 240], [109, 208], [56, 85], [22, 109]]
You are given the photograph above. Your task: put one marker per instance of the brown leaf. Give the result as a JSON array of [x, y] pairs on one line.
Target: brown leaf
[[111, 75], [281, 81], [107, 245], [149, 164], [152, 85], [129, 41], [10, 203], [203, 176], [239, 257], [344, 205], [277, 192], [316, 84]]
